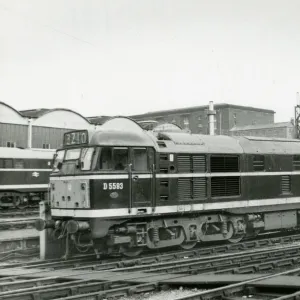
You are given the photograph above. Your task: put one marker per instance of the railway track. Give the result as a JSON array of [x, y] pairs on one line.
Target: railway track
[[25, 212], [17, 244], [16, 224], [274, 286], [38, 282], [84, 277], [90, 262], [24, 245]]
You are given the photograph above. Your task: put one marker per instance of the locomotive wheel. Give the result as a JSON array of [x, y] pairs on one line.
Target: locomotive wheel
[[188, 245], [131, 252], [17, 201], [236, 238]]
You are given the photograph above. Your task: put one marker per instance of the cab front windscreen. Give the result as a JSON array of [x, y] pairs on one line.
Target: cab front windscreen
[[103, 158]]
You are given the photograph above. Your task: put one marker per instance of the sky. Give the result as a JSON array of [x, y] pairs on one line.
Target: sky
[[125, 57]]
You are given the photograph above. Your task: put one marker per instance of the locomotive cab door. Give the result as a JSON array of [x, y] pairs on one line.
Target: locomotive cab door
[[141, 177]]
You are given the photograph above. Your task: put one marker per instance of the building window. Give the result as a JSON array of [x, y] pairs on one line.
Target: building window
[[199, 118], [234, 119], [46, 146], [11, 144], [186, 121]]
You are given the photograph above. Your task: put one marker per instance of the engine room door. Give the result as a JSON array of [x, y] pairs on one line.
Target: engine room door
[[142, 178]]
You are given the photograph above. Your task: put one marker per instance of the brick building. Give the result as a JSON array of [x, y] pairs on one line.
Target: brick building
[[280, 130], [196, 120]]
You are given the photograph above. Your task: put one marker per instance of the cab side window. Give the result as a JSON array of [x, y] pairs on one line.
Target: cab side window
[[105, 162], [140, 159], [113, 158], [120, 158]]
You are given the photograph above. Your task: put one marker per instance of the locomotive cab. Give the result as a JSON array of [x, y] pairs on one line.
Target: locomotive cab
[[114, 177], [100, 177]]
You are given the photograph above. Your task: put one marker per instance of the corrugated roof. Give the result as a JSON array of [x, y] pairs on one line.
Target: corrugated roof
[[99, 120], [34, 113], [262, 126], [193, 108]]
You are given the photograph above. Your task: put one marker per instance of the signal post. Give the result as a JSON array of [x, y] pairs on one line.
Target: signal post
[[49, 247]]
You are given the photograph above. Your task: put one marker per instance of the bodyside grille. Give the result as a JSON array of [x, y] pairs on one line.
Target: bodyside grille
[[184, 163], [199, 163], [296, 162], [184, 189], [258, 162], [286, 184], [219, 164], [225, 186], [192, 188], [191, 163]]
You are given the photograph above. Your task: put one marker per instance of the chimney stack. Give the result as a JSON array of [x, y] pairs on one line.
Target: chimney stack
[[211, 112]]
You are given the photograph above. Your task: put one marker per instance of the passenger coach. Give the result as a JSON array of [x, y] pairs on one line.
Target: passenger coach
[[24, 176]]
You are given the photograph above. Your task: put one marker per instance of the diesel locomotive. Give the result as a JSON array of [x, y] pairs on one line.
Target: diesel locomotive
[[123, 189], [24, 176]]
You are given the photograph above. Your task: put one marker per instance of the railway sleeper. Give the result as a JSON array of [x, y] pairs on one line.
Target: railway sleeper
[[259, 265], [125, 291], [214, 264], [64, 290], [22, 284]]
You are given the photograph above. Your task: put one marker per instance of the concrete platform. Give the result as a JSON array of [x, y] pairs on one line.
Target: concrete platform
[[280, 282], [7, 235], [15, 220]]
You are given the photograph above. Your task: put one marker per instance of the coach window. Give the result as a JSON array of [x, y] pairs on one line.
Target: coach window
[[120, 158], [140, 159], [19, 164], [8, 164]]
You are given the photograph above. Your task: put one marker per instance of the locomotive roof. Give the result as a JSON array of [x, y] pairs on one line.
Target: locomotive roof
[[123, 131], [186, 142], [17, 153], [121, 138], [262, 145]]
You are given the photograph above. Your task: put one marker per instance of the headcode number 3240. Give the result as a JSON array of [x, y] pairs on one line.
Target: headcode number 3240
[[113, 186]]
